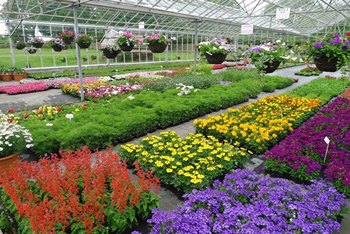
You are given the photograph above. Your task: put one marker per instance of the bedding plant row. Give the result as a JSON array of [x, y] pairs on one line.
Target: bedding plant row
[[261, 124], [246, 203], [303, 153], [119, 119], [190, 163], [82, 192]]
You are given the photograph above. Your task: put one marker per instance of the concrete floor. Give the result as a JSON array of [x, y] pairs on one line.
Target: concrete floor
[[169, 200]]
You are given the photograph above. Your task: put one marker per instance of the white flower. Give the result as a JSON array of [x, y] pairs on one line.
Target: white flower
[[278, 41], [49, 124], [131, 97]]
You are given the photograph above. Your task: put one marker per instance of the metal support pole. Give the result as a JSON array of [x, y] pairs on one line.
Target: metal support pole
[[76, 30], [195, 41], [11, 46]]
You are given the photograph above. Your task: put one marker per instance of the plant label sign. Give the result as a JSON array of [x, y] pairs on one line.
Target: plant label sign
[[326, 139], [282, 13], [247, 29], [69, 116]]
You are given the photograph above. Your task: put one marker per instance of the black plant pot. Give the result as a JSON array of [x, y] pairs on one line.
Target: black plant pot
[[31, 50], [216, 58], [126, 48], [57, 48], [83, 45], [68, 41], [20, 47], [323, 63], [157, 48], [40, 45], [110, 55], [271, 66]]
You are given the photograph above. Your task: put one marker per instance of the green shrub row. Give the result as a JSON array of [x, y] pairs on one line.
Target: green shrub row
[[120, 119], [322, 89]]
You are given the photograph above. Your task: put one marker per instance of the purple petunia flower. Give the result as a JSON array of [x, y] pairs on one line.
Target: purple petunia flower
[[319, 45]]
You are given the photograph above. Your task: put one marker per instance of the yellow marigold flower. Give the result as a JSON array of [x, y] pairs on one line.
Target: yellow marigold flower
[[169, 170], [181, 172]]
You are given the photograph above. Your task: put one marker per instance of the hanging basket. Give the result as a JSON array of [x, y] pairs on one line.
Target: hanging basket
[[323, 63], [271, 66], [57, 48], [126, 48], [110, 55], [39, 45], [31, 50], [20, 47], [215, 58], [68, 41], [84, 45], [157, 48], [8, 161]]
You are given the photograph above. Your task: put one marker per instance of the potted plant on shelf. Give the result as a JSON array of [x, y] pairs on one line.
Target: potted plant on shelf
[[67, 37], [57, 44], [35, 42], [13, 139], [110, 51], [330, 54], [157, 42], [216, 50], [127, 41], [19, 44], [83, 40], [266, 57]]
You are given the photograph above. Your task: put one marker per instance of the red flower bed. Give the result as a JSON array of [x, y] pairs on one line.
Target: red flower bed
[[218, 66], [82, 192], [346, 94]]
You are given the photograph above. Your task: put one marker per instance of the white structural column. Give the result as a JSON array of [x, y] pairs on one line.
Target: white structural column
[[76, 30], [195, 43], [11, 46]]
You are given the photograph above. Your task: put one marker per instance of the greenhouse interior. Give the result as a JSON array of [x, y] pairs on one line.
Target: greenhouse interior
[[174, 116]]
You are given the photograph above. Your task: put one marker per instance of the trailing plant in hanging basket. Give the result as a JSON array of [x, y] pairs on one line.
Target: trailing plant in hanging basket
[[266, 56], [157, 42], [57, 44], [67, 37], [331, 49], [19, 45], [110, 50], [83, 40], [127, 41], [35, 42]]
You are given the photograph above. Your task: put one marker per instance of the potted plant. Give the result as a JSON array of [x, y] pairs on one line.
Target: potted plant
[[330, 54], [67, 37], [157, 42], [57, 44], [127, 41], [17, 73], [83, 40], [6, 74], [13, 138], [266, 57], [35, 42], [19, 44], [215, 50], [110, 51]]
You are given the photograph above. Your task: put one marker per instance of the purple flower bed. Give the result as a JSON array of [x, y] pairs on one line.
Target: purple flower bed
[[302, 153], [246, 203]]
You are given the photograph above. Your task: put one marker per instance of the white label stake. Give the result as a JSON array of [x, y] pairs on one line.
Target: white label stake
[[69, 116], [326, 139]]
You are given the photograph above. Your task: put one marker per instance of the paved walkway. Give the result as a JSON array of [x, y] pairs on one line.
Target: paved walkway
[[169, 200]]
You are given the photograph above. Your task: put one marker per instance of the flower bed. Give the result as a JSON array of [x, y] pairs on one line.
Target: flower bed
[[80, 193], [308, 71], [302, 153], [261, 124], [246, 203], [190, 163], [35, 86], [99, 89], [346, 94]]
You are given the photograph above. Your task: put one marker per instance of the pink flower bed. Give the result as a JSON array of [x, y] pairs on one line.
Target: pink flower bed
[[41, 85]]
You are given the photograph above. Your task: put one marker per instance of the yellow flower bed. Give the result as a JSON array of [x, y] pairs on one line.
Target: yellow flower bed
[[74, 88], [190, 163], [260, 124]]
